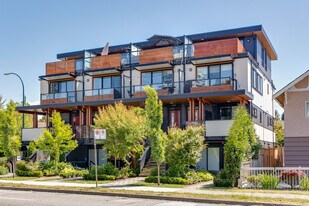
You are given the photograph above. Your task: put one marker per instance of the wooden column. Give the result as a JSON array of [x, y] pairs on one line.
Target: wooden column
[[88, 116], [35, 120], [47, 118], [200, 109], [193, 109], [80, 116], [189, 112]]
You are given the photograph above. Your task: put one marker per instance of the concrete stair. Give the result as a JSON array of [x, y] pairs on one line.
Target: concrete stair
[[149, 166]]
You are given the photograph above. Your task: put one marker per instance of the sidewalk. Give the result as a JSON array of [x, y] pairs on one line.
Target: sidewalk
[[125, 185]]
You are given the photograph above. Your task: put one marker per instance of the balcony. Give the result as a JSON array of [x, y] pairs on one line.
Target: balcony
[[162, 89], [212, 85], [218, 128], [102, 94], [30, 134], [83, 134], [108, 61], [62, 98]]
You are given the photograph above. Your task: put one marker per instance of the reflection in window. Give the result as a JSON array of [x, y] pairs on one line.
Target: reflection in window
[[215, 75], [157, 78]]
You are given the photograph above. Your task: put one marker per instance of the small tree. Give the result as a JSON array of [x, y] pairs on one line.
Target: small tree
[[241, 144], [124, 130], [279, 131], [184, 147], [154, 119], [10, 142], [58, 140]]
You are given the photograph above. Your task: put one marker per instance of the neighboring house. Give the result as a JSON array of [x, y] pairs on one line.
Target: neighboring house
[[294, 98], [200, 78]]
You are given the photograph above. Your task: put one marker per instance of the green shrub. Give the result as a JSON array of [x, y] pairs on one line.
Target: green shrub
[[255, 180], [100, 177], [269, 181], [192, 177], [3, 161], [204, 176], [126, 172], [107, 169], [167, 180], [154, 172], [222, 180], [71, 172], [218, 182], [27, 166], [35, 173], [304, 183], [177, 171], [3, 170]]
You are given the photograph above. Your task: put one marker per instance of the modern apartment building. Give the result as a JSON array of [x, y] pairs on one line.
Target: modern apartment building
[[200, 78]]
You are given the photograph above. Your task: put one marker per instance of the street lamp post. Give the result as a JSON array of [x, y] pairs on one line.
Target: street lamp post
[[23, 102]]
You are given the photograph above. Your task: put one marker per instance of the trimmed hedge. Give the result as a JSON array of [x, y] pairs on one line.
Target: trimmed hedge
[[167, 180], [100, 177], [71, 172], [35, 173]]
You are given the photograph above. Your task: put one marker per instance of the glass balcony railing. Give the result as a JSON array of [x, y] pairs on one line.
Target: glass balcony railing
[[198, 85], [62, 97]]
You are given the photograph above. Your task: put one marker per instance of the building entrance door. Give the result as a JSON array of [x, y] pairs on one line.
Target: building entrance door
[[174, 118]]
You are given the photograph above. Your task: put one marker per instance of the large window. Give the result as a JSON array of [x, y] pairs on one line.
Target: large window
[[106, 85], [157, 78], [215, 74], [59, 87], [64, 89], [257, 81]]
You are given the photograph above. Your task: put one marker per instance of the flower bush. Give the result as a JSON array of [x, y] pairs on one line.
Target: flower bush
[[292, 177]]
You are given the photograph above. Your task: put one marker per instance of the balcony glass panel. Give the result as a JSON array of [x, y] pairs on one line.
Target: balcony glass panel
[[60, 95]]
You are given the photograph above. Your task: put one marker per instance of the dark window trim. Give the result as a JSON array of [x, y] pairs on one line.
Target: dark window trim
[[232, 70], [151, 75]]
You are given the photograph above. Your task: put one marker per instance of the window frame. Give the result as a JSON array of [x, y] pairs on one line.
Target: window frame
[[257, 81], [162, 77], [58, 83], [220, 78], [102, 82]]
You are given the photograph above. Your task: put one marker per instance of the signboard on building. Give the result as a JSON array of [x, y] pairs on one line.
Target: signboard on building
[[99, 134]]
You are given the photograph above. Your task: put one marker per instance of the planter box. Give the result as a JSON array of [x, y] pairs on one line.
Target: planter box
[[143, 94], [211, 88]]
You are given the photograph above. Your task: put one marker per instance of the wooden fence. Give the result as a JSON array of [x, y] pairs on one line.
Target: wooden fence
[[273, 157]]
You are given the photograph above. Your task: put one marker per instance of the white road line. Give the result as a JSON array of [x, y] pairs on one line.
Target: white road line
[[14, 198]]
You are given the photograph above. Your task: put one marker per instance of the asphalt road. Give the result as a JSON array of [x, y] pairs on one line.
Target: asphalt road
[[30, 198]]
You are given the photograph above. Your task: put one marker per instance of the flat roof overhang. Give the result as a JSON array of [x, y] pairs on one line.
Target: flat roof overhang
[[211, 97], [111, 70], [57, 76], [211, 59], [155, 65]]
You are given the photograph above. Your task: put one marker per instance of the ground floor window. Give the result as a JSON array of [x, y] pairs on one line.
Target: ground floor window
[[213, 159]]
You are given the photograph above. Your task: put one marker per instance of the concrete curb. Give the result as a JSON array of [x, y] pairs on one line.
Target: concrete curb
[[129, 195]]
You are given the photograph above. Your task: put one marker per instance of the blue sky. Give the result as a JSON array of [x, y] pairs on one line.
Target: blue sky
[[34, 31]]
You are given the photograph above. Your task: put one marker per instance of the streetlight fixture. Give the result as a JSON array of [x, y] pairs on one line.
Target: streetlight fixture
[[23, 102]]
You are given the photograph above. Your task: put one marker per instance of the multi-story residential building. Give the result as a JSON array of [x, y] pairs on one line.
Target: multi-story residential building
[[294, 98], [199, 78]]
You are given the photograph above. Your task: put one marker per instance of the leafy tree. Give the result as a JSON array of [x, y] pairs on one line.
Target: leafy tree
[[58, 140], [154, 120], [124, 130], [1, 102], [10, 142], [241, 144], [279, 131], [184, 147]]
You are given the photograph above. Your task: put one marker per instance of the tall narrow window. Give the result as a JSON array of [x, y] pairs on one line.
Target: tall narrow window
[[307, 110], [214, 75]]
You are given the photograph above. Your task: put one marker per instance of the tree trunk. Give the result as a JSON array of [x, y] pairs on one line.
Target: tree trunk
[[158, 173]]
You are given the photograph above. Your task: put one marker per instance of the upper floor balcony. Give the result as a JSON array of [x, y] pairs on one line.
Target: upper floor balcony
[[137, 91]]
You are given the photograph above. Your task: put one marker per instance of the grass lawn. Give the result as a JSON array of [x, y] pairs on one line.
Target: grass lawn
[[18, 178], [146, 184], [235, 189]]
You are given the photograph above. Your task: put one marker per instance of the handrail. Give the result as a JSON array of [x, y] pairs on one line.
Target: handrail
[[144, 158]]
